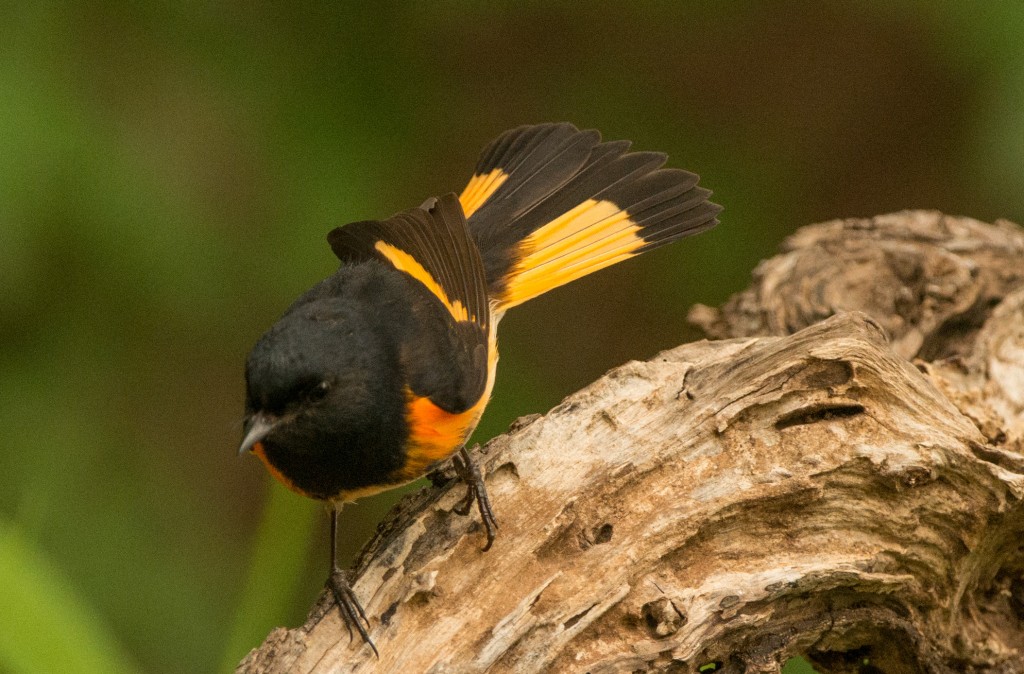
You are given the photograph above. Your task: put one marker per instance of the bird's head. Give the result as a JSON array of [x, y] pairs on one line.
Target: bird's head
[[317, 383]]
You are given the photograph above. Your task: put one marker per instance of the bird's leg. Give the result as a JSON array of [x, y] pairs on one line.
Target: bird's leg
[[476, 490], [351, 610]]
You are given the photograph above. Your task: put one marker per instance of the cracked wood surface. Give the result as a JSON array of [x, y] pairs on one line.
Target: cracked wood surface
[[798, 487]]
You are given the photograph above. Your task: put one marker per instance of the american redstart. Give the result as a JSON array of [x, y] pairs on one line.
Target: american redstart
[[380, 372]]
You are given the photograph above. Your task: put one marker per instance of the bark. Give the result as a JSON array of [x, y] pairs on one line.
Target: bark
[[840, 476]]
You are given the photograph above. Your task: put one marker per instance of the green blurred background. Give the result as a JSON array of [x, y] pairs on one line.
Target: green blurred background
[[168, 175]]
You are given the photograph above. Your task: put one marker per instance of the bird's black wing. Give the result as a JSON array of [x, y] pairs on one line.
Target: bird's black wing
[[449, 361]]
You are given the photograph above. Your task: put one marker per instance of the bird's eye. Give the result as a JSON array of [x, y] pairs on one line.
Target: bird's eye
[[319, 391]]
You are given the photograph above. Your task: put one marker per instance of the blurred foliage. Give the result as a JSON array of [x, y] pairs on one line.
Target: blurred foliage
[[798, 666], [168, 174], [46, 626]]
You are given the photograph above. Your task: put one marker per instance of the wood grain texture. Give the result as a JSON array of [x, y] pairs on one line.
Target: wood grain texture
[[797, 487]]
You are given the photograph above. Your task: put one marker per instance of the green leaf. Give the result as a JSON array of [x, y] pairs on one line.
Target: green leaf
[[798, 666], [44, 625]]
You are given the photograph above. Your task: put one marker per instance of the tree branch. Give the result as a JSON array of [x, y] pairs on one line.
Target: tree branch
[[798, 487]]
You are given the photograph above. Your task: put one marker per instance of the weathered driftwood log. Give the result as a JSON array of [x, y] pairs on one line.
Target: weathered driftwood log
[[798, 488]]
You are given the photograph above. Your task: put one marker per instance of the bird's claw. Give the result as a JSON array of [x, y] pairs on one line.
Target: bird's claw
[[351, 610], [476, 490]]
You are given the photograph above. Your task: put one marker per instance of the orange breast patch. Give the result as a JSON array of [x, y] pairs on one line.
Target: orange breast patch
[[434, 434]]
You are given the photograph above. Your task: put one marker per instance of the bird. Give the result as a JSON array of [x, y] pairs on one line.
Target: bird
[[379, 373]]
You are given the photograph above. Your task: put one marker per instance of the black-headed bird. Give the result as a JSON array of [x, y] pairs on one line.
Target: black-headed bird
[[381, 371]]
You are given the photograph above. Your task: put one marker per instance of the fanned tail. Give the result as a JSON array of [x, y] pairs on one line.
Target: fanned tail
[[549, 203]]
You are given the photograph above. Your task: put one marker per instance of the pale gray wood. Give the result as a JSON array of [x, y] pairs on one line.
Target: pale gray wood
[[796, 487]]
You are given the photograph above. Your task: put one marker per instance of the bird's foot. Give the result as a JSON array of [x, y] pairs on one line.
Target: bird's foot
[[349, 606], [469, 473]]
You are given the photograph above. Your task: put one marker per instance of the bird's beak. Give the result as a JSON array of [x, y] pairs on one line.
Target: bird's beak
[[257, 427]]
